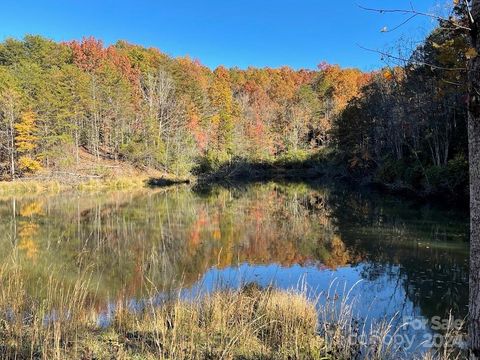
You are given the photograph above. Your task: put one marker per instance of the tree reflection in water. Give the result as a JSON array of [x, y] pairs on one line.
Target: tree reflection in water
[[412, 258]]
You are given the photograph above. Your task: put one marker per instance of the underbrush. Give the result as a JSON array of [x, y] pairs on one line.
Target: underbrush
[[294, 165]]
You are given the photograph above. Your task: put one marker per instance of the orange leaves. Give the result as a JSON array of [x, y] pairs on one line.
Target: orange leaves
[[194, 73], [88, 54], [387, 75], [222, 73], [122, 63], [195, 128], [345, 84]]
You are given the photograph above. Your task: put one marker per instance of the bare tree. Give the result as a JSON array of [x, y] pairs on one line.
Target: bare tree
[[9, 113], [158, 92]]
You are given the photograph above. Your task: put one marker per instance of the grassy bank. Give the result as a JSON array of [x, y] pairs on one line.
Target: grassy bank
[[33, 186], [24, 187], [249, 323]]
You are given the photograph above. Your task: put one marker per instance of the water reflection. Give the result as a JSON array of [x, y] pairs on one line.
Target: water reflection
[[412, 259]]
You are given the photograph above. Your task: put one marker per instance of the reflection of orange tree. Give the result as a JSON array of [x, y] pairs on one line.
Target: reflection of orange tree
[[262, 226], [27, 230], [198, 225], [338, 254]]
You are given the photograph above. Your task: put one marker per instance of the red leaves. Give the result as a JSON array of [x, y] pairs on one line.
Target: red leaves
[[88, 54]]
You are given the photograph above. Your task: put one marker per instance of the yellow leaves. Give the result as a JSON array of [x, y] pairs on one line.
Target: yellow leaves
[[30, 248], [27, 229], [471, 53], [25, 141], [345, 83], [27, 164], [26, 129], [217, 234], [215, 119]]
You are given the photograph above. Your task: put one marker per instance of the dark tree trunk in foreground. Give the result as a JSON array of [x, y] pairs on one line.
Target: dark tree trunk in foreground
[[474, 160]]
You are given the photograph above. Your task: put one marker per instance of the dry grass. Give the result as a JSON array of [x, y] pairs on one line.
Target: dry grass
[[34, 187], [28, 187], [119, 183], [243, 324], [250, 323]]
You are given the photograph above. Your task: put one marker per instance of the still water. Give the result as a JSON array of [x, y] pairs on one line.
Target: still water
[[402, 259]]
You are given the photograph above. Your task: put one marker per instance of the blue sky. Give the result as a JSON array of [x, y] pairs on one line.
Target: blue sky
[[299, 33]]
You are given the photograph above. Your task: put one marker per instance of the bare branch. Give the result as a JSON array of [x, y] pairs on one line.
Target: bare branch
[[401, 24], [385, 54], [414, 12]]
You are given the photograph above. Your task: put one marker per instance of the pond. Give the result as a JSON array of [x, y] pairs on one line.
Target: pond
[[400, 259]]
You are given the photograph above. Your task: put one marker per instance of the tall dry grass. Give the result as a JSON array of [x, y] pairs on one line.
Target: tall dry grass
[[28, 187], [113, 183], [248, 323], [32, 186]]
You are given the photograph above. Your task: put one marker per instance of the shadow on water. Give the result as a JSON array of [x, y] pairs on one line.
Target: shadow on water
[[162, 182], [411, 258]]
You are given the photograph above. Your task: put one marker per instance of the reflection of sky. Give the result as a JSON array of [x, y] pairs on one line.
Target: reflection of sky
[[380, 298], [375, 299]]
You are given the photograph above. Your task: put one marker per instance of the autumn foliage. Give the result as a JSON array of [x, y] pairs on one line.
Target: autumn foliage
[[131, 103]]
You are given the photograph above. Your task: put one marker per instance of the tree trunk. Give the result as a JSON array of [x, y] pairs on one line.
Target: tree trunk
[[12, 143], [474, 307], [474, 161]]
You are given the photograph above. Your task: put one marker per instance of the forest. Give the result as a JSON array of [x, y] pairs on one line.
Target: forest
[[403, 126]]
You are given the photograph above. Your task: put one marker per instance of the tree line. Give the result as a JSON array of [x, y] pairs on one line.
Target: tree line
[[127, 102], [403, 125]]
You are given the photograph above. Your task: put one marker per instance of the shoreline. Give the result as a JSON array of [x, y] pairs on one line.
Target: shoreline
[[230, 175]]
